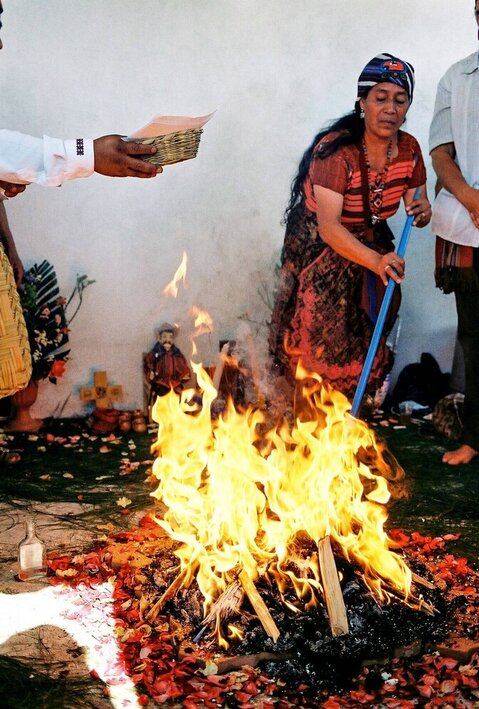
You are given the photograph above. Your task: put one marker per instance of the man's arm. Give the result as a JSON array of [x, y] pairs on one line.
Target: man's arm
[[449, 176], [6, 237], [51, 161]]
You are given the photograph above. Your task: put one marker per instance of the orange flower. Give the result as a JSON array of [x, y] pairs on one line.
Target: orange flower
[[57, 369]]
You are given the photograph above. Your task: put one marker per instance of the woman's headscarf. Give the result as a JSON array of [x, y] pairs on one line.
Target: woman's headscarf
[[385, 67]]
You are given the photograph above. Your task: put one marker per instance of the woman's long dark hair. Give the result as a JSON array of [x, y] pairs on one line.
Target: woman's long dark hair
[[351, 130]]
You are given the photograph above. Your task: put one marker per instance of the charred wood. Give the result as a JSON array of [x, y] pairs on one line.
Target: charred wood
[[170, 593]]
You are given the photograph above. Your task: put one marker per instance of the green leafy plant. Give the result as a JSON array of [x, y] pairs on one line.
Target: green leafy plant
[[45, 313]]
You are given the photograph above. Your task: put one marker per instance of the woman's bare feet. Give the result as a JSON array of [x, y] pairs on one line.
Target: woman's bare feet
[[463, 454]]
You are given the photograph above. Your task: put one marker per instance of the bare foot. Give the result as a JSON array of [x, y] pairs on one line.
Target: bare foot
[[463, 454]]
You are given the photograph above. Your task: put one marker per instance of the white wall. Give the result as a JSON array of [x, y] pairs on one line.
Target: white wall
[[276, 71]]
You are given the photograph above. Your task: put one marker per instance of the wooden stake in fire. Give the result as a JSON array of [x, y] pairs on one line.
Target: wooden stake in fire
[[259, 606], [226, 605], [332, 589], [170, 593]]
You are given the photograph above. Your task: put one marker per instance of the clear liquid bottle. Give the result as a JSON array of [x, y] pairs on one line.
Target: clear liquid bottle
[[31, 555]]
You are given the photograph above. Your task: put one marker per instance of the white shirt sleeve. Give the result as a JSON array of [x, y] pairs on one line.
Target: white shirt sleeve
[[46, 161], [440, 131]]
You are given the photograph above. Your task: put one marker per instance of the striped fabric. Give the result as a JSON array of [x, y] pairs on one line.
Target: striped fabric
[[457, 267], [449, 255], [340, 172]]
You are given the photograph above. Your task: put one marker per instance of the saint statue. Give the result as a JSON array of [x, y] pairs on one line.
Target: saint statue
[[165, 367]]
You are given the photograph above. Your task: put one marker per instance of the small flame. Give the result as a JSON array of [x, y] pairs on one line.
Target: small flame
[[203, 324], [172, 287], [235, 633], [203, 321], [244, 494]]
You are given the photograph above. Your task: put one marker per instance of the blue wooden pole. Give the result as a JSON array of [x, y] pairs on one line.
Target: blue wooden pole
[[379, 327]]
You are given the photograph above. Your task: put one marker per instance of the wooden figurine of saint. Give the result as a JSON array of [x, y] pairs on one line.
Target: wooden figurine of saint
[[165, 367]]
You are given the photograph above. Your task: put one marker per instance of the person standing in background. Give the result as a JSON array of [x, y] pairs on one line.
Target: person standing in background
[[454, 149]]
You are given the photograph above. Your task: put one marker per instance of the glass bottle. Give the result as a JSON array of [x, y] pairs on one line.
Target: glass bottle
[[31, 555]]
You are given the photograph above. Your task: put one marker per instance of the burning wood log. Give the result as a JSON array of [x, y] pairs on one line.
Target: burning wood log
[[420, 581], [332, 589], [259, 606], [419, 604], [416, 602], [224, 607], [227, 604], [170, 593]]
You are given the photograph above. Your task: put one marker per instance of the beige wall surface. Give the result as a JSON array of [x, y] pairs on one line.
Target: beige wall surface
[[274, 71]]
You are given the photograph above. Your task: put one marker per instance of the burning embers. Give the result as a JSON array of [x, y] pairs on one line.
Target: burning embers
[[258, 505]]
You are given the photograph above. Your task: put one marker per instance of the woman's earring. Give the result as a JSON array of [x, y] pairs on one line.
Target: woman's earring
[[361, 115]]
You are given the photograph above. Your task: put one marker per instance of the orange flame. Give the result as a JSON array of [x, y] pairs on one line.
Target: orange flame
[[203, 321], [172, 288], [240, 493]]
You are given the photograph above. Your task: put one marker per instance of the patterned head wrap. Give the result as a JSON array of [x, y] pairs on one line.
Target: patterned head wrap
[[385, 67]]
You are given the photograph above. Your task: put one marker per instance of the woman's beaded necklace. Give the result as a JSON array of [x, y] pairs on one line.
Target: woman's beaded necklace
[[377, 184]]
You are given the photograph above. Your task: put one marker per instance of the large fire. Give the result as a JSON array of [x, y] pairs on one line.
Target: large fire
[[243, 494]]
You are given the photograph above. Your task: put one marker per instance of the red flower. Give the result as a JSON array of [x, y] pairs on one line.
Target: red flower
[[57, 369]]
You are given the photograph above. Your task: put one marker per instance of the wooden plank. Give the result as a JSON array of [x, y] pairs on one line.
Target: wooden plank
[[259, 606], [420, 581], [333, 595]]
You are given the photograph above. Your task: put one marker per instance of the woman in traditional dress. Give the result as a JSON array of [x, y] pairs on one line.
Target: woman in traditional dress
[[338, 252]]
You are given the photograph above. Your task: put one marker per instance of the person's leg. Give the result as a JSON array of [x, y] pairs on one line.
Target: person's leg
[[467, 305]]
